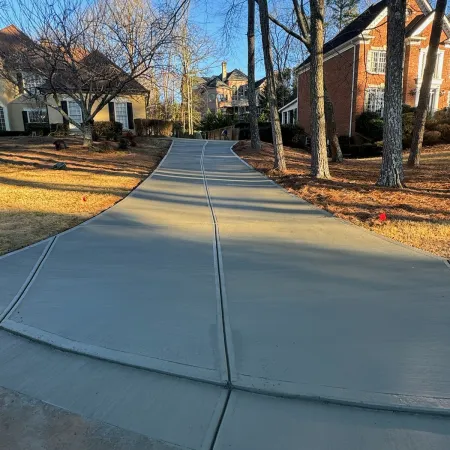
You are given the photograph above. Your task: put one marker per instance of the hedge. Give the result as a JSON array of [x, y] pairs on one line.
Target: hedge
[[107, 130], [153, 127]]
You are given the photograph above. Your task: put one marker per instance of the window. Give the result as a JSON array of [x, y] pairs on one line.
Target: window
[[235, 93], [2, 119], [37, 115], [437, 68], [121, 114], [377, 61], [375, 99], [31, 81], [74, 112]]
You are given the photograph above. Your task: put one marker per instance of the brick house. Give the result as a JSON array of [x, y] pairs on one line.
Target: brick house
[[355, 62], [227, 92]]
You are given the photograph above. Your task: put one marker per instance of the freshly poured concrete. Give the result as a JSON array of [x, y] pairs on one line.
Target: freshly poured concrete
[[307, 305], [15, 269], [258, 422], [137, 284], [318, 308], [166, 409]]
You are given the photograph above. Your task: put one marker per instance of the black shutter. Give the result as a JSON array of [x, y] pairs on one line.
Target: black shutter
[[130, 116], [25, 119], [64, 108], [112, 116], [20, 82]]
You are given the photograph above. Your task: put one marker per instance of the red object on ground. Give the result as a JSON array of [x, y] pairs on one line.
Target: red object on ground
[[84, 199], [382, 217]]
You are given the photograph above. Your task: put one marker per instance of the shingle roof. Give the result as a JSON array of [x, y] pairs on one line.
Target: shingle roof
[[259, 82], [353, 29]]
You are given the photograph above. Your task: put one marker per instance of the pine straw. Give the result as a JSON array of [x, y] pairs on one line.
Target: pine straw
[[37, 201], [418, 215]]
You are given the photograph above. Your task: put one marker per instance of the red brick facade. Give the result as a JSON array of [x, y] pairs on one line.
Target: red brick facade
[[347, 75]]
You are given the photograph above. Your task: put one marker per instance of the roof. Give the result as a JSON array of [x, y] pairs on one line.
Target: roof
[[215, 82], [235, 73], [354, 28], [415, 23], [259, 82], [287, 105], [14, 43]]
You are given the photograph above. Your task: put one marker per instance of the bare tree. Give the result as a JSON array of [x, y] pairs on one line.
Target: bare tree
[[88, 53], [391, 174], [319, 157], [279, 163], [424, 96], [252, 108], [304, 36]]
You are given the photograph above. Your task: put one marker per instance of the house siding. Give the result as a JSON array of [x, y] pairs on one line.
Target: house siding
[[338, 75]]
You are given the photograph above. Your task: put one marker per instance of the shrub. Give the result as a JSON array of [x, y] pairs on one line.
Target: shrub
[[131, 138], [408, 109], [139, 127], [370, 124], [41, 129], [431, 137], [444, 129], [124, 143], [442, 116], [154, 127], [431, 124], [408, 126], [106, 130], [59, 129]]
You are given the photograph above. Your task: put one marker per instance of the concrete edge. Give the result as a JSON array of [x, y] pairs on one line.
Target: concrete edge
[[432, 406], [115, 356], [365, 230], [29, 280], [91, 219], [226, 336]]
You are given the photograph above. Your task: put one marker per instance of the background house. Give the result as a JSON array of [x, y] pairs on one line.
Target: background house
[[227, 92], [355, 65], [18, 109]]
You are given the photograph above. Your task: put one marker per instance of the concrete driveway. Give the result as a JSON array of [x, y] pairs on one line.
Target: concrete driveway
[[211, 309]]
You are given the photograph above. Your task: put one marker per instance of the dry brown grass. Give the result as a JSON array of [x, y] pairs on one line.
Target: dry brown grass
[[37, 201], [418, 215]]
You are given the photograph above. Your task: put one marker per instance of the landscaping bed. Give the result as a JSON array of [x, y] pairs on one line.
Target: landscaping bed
[[418, 215], [38, 201]]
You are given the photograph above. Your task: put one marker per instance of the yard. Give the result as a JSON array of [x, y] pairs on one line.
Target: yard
[[418, 215], [38, 201]]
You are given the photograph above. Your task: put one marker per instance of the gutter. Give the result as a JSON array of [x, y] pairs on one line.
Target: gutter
[[353, 92]]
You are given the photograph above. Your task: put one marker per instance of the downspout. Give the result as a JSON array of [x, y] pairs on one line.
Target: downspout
[[353, 92]]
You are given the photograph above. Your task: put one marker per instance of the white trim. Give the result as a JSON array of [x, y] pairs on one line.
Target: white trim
[[288, 104], [375, 22], [422, 27], [5, 113]]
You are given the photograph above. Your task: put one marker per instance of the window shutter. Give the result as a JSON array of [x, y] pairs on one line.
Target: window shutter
[[25, 119], [130, 116], [112, 116], [20, 82], [65, 109], [369, 61]]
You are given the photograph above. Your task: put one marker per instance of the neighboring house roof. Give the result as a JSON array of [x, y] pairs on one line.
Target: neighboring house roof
[[215, 83], [291, 104], [259, 82], [353, 29], [14, 42]]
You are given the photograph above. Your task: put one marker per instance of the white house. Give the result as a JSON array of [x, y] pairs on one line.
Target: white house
[[289, 113]]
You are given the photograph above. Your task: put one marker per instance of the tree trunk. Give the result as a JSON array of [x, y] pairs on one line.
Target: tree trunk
[[87, 134], [319, 158], [280, 163], [336, 152], [252, 108], [391, 174], [424, 97]]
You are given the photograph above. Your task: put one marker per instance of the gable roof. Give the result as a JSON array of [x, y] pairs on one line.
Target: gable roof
[[415, 23], [353, 29], [14, 42], [259, 82]]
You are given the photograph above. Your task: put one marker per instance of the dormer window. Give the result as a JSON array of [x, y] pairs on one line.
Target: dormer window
[[31, 81]]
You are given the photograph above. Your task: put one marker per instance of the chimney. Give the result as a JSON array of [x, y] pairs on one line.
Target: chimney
[[224, 70]]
